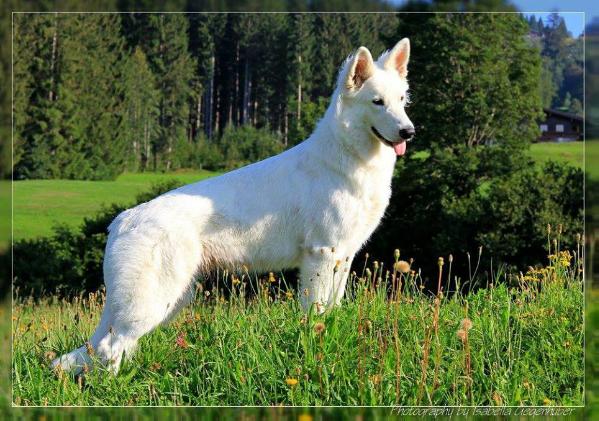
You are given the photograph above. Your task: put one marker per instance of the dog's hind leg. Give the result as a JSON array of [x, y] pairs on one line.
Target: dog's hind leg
[[144, 288]]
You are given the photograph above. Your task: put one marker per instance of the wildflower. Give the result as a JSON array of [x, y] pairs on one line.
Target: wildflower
[[236, 281], [440, 261], [289, 295], [271, 278], [466, 324], [402, 266], [368, 273], [155, 366], [396, 254], [291, 381], [337, 264], [181, 342], [461, 334], [375, 379], [50, 355], [89, 348], [319, 328], [497, 398], [546, 401]]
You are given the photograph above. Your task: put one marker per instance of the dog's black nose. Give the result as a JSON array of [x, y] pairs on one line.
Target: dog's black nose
[[407, 134]]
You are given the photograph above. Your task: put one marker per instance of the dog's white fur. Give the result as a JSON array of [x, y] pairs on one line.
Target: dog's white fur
[[312, 207]]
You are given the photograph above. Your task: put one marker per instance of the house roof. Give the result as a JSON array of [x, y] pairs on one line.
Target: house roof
[[562, 114]]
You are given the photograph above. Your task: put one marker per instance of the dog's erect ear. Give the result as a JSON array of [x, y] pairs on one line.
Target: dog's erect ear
[[361, 67], [398, 57]]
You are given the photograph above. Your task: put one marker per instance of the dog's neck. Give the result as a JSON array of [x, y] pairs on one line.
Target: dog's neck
[[335, 144]]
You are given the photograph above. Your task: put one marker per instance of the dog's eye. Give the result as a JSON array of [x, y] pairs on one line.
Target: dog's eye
[[378, 101]]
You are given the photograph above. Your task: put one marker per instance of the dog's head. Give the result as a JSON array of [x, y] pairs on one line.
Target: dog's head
[[371, 100]]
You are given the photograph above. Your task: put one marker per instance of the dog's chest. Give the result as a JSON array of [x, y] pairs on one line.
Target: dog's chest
[[364, 208]]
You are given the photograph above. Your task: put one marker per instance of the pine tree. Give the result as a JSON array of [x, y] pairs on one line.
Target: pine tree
[[142, 110], [164, 40]]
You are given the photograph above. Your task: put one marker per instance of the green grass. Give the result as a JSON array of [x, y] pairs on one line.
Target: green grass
[[524, 348], [4, 215], [592, 158], [570, 152], [41, 204]]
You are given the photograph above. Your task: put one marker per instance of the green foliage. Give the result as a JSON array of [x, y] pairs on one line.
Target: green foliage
[[524, 346], [439, 199], [245, 144], [98, 94], [69, 104], [561, 84], [70, 260]]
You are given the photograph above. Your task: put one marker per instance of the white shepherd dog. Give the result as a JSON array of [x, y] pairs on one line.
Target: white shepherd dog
[[312, 207]]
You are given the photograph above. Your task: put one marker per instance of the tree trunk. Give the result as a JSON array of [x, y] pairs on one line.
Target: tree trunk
[[298, 115], [285, 127], [209, 101], [52, 94], [246, 93], [236, 101]]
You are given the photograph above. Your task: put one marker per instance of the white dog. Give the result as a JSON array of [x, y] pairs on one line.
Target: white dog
[[312, 207]]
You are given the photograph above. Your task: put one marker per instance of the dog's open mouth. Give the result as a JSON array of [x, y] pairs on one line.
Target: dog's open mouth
[[398, 147]]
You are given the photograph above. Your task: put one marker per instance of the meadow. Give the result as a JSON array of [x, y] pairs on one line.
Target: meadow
[[519, 341], [41, 204]]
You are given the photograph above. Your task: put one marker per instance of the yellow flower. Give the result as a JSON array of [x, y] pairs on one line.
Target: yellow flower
[[304, 417], [289, 295], [402, 266], [291, 381], [271, 278], [546, 401], [497, 398]]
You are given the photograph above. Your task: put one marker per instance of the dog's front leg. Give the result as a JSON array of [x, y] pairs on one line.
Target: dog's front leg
[[323, 275]]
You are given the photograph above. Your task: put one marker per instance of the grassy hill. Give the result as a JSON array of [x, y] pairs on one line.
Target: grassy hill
[[41, 204]]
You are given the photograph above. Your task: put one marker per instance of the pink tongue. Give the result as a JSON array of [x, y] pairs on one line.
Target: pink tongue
[[400, 148]]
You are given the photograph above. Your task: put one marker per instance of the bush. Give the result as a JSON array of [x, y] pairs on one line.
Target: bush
[[70, 261], [446, 210], [246, 144]]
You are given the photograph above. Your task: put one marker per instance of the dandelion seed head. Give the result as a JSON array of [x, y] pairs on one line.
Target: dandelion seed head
[[466, 324], [402, 266], [319, 328]]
